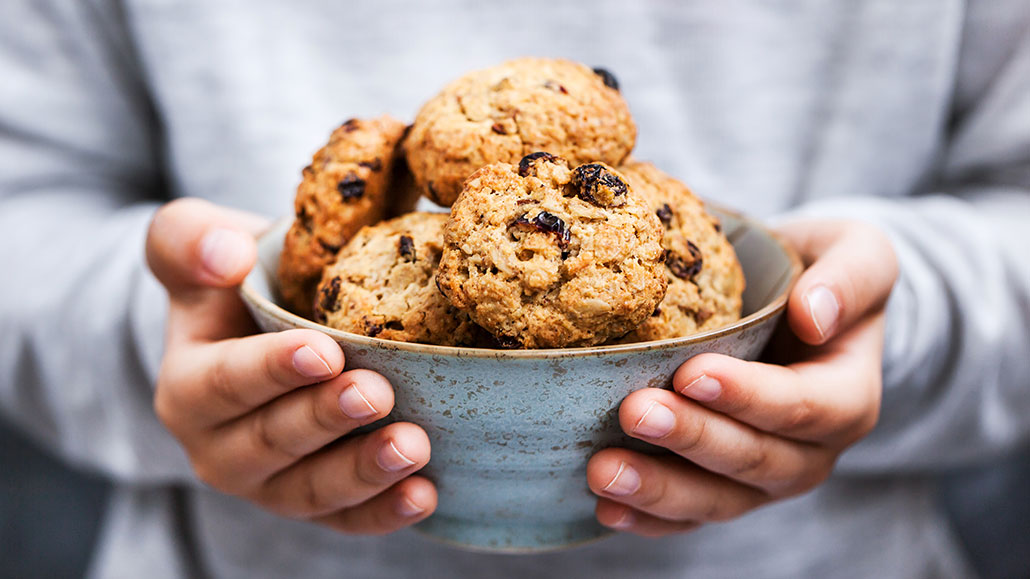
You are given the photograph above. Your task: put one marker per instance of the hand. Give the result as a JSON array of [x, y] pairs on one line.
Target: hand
[[261, 416], [742, 433]]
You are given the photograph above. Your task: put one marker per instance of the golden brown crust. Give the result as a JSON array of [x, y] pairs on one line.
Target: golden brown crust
[[503, 113], [547, 257], [343, 189], [705, 278], [384, 285]]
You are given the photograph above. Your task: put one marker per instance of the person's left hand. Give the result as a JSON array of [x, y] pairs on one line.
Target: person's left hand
[[743, 434]]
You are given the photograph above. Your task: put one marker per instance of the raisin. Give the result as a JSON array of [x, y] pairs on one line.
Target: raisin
[[701, 316], [373, 165], [351, 125], [508, 342], [684, 268], [528, 160], [552, 85], [607, 77], [406, 247], [595, 183], [305, 219], [547, 223], [499, 129], [665, 214], [718, 227], [372, 329], [351, 187], [395, 326], [333, 249], [327, 297], [657, 312]]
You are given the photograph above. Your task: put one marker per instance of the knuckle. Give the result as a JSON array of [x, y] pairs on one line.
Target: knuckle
[[713, 510], [265, 442], [322, 419], [801, 416], [652, 494], [810, 479], [222, 385], [753, 466], [693, 439]]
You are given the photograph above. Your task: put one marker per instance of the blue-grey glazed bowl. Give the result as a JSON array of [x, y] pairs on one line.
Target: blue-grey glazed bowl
[[512, 430]]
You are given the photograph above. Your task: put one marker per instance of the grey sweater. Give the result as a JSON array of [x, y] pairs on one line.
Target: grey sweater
[[914, 115]]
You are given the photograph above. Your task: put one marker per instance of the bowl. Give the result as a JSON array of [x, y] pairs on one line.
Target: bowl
[[512, 430]]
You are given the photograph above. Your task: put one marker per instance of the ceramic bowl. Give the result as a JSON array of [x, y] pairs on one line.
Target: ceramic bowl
[[512, 430]]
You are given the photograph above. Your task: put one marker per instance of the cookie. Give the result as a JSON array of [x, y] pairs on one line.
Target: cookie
[[343, 189], [503, 113], [705, 279], [544, 256], [383, 284]]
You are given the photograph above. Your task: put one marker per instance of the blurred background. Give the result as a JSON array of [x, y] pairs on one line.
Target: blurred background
[[49, 514]]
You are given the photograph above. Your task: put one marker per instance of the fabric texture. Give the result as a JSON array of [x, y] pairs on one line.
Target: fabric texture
[[913, 115]]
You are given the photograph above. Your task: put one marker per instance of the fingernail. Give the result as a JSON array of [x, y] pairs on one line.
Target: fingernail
[[406, 508], [354, 404], [309, 364], [391, 460], [656, 422], [824, 309], [703, 388], [625, 521], [223, 252], [625, 482]]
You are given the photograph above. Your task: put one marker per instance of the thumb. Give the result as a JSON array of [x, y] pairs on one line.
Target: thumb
[[200, 252], [851, 269]]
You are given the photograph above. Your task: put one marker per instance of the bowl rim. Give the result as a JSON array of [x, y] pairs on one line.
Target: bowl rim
[[774, 307]]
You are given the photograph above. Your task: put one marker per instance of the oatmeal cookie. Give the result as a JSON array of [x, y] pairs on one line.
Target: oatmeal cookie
[[503, 113], [383, 285], [705, 278], [343, 189], [544, 256]]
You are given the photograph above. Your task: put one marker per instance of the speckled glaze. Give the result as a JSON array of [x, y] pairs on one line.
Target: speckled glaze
[[511, 431]]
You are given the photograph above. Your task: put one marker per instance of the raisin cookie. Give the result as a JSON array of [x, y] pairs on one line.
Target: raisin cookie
[[503, 113], [383, 285], [343, 189], [705, 278], [544, 256]]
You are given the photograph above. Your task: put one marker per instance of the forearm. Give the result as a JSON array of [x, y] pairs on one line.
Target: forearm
[[83, 324], [958, 329]]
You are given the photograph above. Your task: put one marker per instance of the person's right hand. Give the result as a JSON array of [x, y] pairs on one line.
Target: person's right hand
[[260, 416]]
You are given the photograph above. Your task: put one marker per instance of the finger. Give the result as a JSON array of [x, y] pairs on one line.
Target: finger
[[282, 432], [813, 401], [347, 473], [627, 519], [852, 268], [209, 384], [198, 251], [669, 487], [403, 504], [723, 445]]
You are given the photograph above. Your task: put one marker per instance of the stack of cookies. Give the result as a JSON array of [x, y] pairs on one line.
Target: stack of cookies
[[555, 237]]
